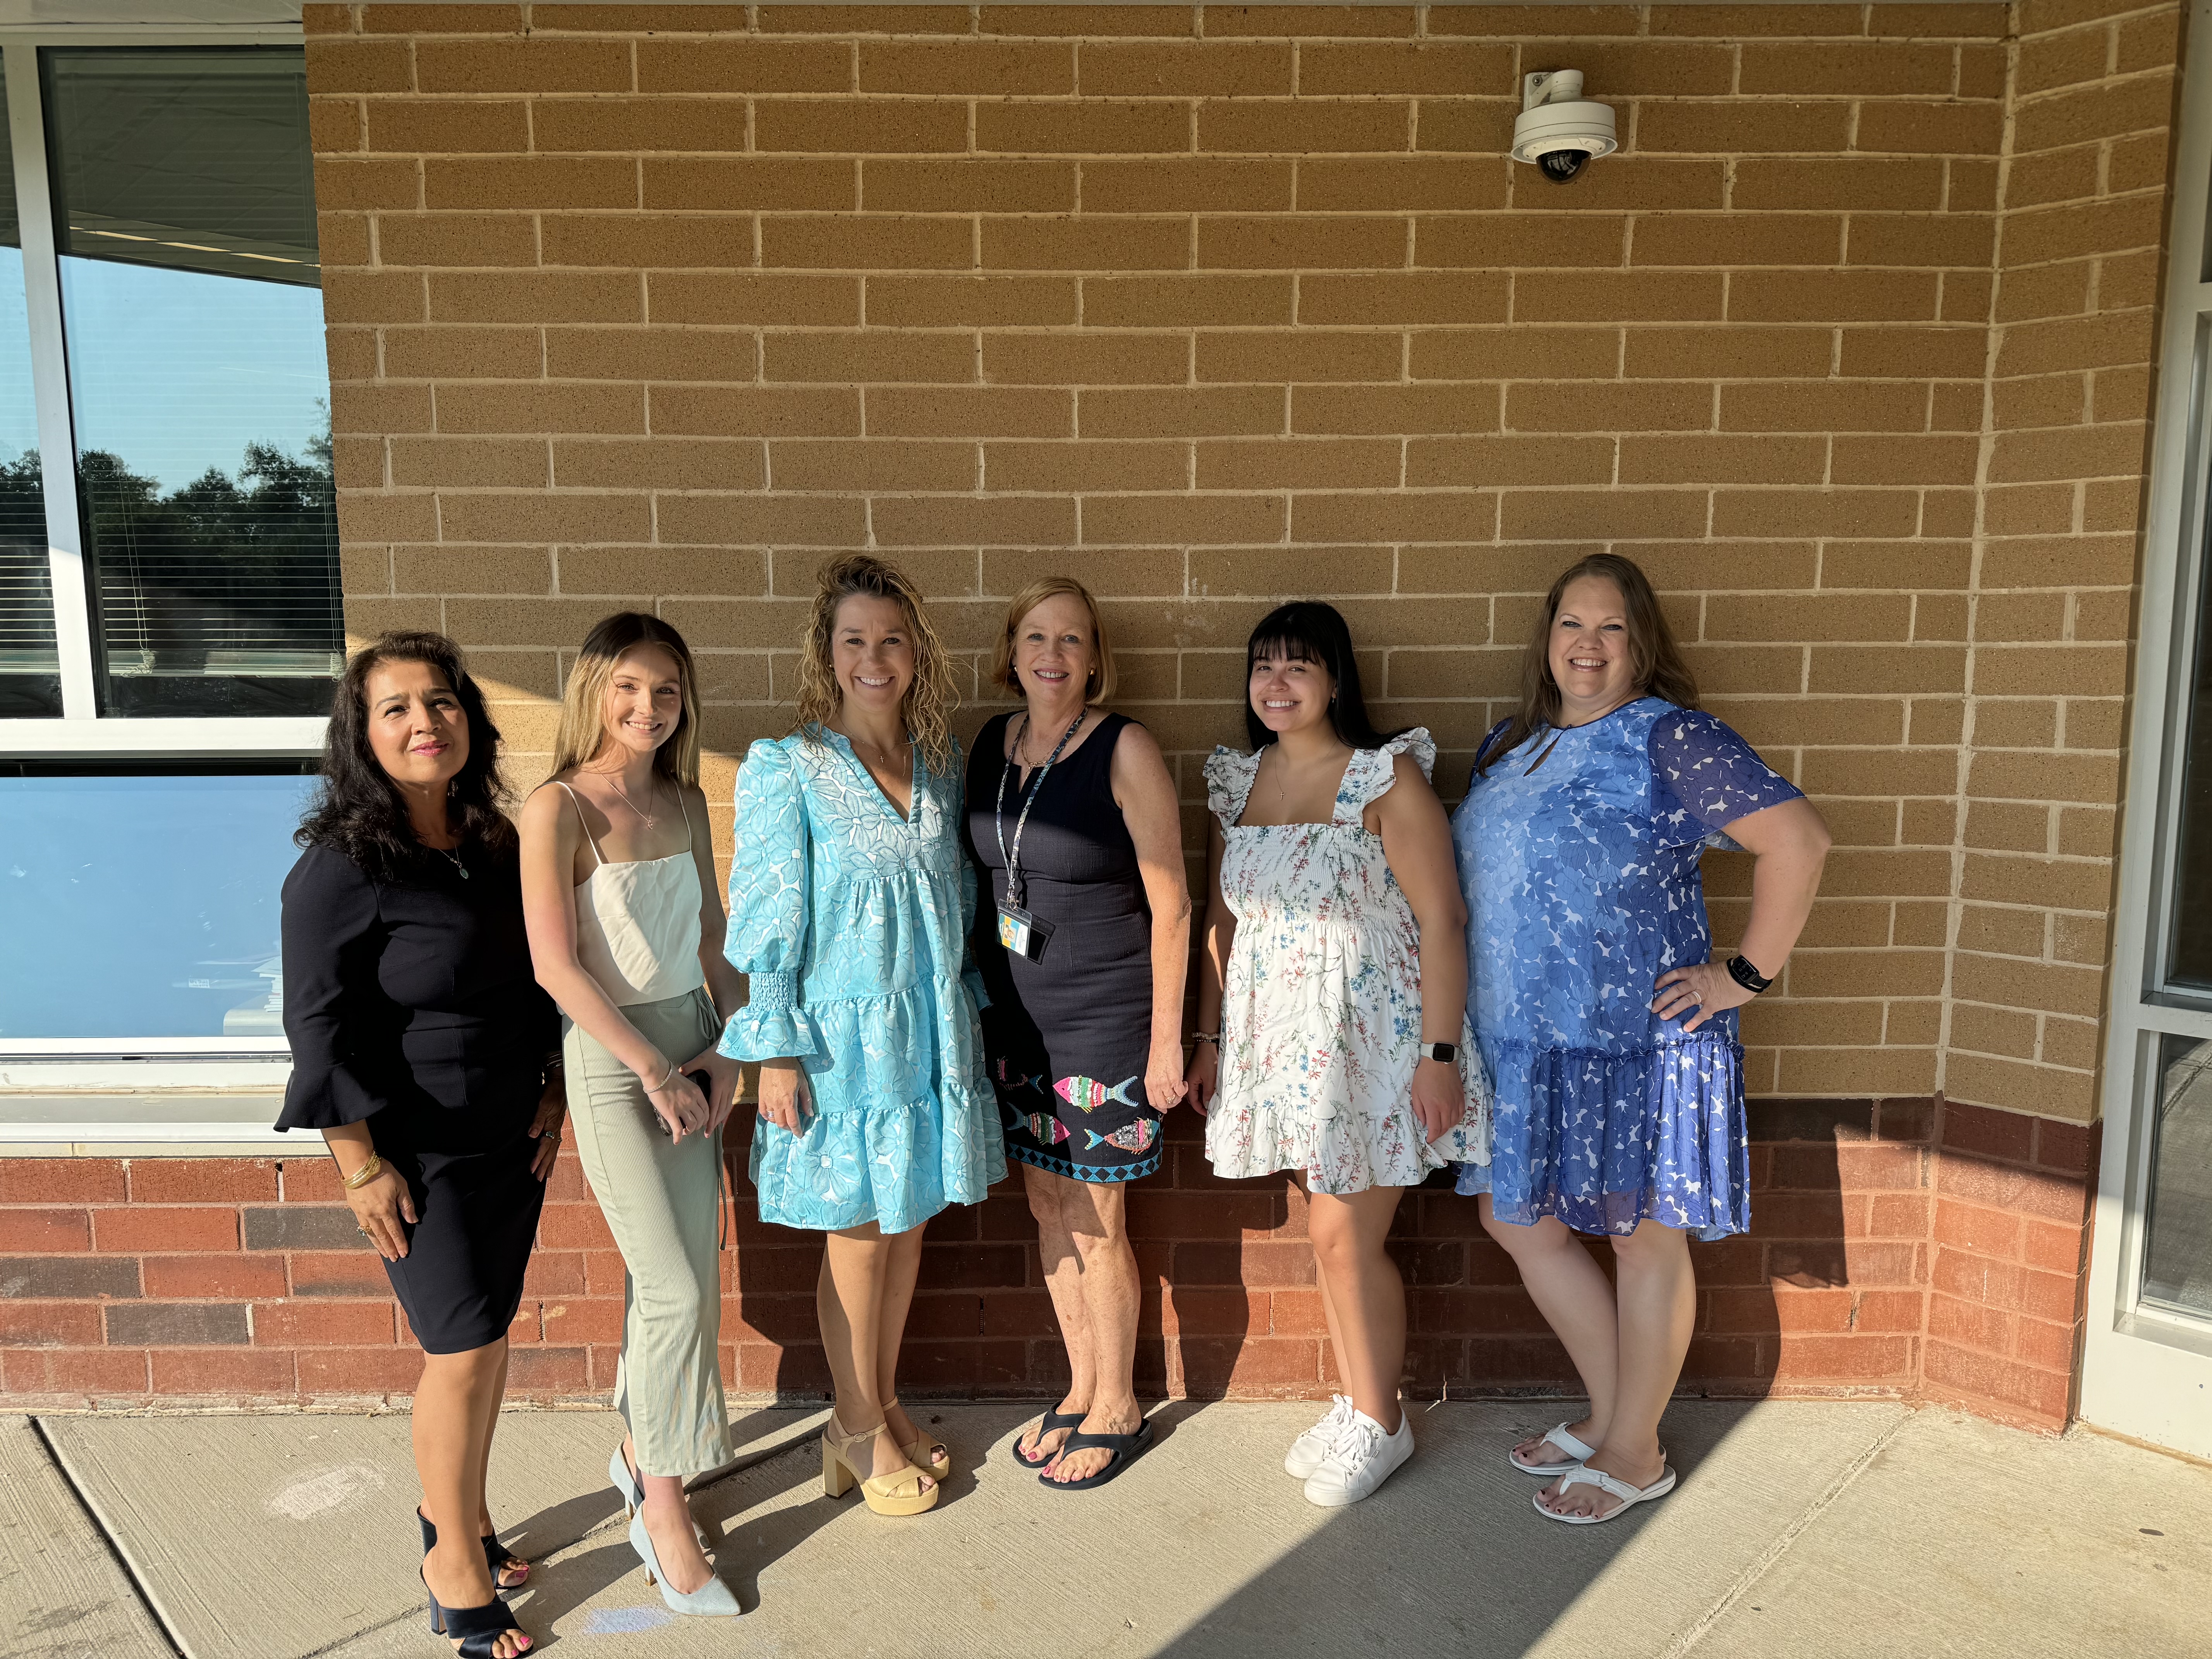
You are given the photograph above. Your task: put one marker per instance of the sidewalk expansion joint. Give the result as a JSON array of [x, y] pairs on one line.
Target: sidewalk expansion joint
[[1774, 1551], [108, 1539]]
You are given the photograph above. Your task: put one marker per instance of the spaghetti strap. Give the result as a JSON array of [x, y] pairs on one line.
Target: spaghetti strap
[[599, 856]]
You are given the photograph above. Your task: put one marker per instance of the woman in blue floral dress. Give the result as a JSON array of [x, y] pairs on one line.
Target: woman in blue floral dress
[[1609, 1033], [850, 900]]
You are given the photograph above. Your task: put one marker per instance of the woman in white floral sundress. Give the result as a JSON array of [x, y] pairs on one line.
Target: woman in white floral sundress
[[1335, 905]]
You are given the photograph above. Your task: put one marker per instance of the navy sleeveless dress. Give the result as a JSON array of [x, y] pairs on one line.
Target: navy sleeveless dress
[[1066, 1038]]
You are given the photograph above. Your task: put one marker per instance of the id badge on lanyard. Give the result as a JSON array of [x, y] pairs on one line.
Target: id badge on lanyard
[[1020, 931], [1023, 934]]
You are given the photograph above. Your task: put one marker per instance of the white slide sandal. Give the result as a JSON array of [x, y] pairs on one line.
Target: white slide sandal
[[1628, 1495], [1577, 1455]]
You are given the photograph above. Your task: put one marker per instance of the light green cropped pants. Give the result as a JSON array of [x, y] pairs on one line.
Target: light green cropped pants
[[662, 1202]]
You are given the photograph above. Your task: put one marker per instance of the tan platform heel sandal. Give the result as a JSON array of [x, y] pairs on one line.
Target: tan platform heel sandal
[[846, 1457], [938, 1467]]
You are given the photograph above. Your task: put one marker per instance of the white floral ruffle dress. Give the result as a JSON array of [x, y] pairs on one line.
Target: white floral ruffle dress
[[1321, 1014]]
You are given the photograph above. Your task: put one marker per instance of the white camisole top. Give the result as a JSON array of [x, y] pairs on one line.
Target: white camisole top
[[637, 923]]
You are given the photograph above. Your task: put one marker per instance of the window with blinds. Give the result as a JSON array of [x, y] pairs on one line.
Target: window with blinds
[[185, 217], [30, 669]]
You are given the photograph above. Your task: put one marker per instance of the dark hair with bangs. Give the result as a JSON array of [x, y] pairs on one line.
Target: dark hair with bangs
[[1310, 630], [358, 812]]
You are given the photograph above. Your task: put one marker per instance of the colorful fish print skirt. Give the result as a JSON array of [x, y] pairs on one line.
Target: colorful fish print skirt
[[1087, 1128]]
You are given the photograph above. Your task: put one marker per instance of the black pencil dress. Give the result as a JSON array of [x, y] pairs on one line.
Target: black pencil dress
[[1066, 1038], [410, 1004]]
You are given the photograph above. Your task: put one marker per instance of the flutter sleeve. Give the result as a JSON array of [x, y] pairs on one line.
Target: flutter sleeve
[[1370, 772], [767, 935], [1228, 783], [1704, 777], [331, 938]]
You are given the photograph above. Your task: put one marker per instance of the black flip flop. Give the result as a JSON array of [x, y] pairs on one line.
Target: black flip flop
[[1054, 1422], [1126, 1449]]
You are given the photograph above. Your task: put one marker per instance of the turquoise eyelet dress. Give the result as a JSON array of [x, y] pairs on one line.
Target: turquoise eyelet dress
[[851, 923]]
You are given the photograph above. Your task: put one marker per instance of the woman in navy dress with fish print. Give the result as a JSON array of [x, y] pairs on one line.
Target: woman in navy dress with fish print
[[1072, 815]]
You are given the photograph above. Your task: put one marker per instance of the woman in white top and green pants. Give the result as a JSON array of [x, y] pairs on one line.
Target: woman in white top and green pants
[[625, 921]]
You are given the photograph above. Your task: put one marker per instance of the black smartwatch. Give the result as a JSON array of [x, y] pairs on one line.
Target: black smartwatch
[[1741, 971], [1447, 1052]]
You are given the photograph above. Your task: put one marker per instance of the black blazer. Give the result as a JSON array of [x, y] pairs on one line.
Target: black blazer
[[412, 1004]]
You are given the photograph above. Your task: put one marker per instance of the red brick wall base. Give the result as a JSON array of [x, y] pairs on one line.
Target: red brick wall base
[[1900, 1247]]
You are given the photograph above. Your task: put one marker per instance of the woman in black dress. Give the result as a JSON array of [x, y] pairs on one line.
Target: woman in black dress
[[424, 1051], [1073, 817]]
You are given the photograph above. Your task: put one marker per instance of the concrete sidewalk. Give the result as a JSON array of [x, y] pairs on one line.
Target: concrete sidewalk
[[1800, 1528]]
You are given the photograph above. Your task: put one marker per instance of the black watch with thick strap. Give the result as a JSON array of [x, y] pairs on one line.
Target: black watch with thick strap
[[1447, 1052], [1741, 971]]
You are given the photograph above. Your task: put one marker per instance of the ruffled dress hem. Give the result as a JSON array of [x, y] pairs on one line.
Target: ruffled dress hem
[[1686, 1167]]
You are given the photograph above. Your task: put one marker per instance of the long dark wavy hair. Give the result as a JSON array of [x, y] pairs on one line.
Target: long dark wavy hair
[[1308, 630], [359, 811], [1655, 661]]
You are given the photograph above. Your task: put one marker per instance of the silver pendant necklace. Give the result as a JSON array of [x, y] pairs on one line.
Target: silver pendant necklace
[[453, 858]]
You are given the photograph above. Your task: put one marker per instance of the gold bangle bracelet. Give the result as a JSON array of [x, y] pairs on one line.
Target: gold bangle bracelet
[[367, 1173]]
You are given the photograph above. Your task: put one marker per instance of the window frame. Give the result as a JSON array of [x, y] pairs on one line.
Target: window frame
[[237, 1075], [82, 730], [2145, 1366]]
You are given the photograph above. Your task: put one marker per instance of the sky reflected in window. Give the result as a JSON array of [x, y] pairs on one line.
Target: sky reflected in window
[[241, 363], [144, 907]]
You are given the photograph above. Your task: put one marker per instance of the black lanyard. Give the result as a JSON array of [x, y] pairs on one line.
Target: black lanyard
[[1014, 888]]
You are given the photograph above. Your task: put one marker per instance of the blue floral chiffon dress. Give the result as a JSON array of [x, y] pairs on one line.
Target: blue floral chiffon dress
[[1578, 854], [852, 924]]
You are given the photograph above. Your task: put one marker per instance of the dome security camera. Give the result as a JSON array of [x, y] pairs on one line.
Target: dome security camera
[[1558, 129]]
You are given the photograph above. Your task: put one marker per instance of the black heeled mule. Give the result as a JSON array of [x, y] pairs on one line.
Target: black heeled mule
[[478, 1628], [496, 1556]]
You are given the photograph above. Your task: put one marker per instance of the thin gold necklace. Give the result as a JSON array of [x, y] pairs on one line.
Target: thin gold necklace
[[882, 754], [649, 819], [1022, 744]]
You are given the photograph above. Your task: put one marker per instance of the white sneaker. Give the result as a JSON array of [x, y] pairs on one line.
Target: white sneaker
[[1362, 1458], [1311, 1448]]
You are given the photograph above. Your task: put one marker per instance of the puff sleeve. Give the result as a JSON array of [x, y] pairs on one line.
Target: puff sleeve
[[769, 881], [333, 936]]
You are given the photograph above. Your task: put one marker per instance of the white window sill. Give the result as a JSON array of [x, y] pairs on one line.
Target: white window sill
[[160, 739], [83, 1123]]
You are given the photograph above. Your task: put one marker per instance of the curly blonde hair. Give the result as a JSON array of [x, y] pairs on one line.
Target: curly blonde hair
[[930, 700]]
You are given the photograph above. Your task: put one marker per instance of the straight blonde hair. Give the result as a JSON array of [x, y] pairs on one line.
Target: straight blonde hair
[[930, 700], [1050, 587], [583, 731]]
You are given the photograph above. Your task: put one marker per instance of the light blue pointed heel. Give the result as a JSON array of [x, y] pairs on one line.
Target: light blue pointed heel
[[711, 1600], [631, 1491]]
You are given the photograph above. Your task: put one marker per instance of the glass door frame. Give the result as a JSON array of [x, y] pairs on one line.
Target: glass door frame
[[81, 731], [2146, 1370]]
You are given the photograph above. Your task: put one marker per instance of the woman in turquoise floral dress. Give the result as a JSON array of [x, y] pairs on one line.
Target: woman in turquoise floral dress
[[850, 901]]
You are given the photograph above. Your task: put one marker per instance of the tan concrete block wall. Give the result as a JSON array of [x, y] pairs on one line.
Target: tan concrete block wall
[[2080, 241], [1212, 306]]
